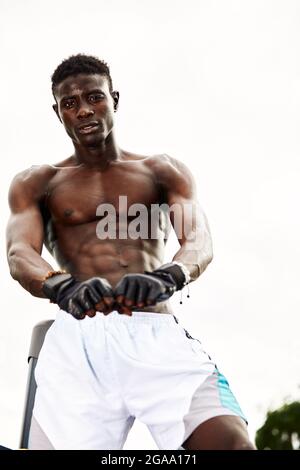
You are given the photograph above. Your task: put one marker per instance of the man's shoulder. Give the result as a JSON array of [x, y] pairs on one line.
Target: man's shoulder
[[156, 159], [35, 173], [154, 163], [32, 182], [169, 170], [42, 171], [164, 161]]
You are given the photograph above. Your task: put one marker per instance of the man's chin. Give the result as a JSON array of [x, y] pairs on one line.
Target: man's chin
[[91, 140]]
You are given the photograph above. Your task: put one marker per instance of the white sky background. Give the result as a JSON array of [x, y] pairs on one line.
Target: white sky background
[[215, 84]]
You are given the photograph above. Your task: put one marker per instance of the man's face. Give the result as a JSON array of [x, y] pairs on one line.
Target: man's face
[[85, 107]]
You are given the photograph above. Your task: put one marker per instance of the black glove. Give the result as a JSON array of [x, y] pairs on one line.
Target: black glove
[[138, 290], [77, 297]]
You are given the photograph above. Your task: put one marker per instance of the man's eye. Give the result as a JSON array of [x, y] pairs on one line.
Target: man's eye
[[69, 104], [97, 97]]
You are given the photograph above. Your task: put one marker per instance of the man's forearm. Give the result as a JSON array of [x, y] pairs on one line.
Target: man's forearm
[[29, 269], [193, 233], [195, 259]]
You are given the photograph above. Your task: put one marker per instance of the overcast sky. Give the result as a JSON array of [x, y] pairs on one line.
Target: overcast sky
[[215, 84]]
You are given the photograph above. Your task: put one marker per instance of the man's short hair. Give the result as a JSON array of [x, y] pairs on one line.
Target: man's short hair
[[80, 63]]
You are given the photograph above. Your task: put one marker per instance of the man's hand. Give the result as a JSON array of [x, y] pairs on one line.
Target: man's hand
[[86, 297], [143, 290], [80, 298]]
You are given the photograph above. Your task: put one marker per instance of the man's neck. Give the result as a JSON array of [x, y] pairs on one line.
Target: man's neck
[[99, 156]]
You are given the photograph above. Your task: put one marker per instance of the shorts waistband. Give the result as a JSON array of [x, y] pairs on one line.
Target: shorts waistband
[[143, 317], [137, 317]]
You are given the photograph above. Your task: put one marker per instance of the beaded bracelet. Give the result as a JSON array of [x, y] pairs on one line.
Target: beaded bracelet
[[54, 273]]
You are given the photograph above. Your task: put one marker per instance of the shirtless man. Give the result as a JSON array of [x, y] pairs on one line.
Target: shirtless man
[[115, 350]]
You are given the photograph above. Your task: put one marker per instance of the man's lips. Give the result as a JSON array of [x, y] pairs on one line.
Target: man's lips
[[88, 127]]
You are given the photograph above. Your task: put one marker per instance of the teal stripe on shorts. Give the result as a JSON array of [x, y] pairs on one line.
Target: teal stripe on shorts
[[227, 398]]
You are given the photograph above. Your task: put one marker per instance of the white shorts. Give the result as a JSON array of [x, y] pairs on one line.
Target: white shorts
[[95, 376]]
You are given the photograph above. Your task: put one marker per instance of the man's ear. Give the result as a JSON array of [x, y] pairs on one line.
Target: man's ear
[[55, 107], [116, 97]]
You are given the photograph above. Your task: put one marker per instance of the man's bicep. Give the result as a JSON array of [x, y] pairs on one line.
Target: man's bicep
[[25, 225], [25, 229], [186, 216], [185, 212]]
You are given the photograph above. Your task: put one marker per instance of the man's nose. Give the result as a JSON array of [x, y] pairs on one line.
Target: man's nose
[[84, 111]]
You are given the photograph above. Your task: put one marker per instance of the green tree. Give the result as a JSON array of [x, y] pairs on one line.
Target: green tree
[[281, 430]]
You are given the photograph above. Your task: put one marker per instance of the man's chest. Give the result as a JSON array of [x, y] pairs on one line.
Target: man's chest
[[76, 197]]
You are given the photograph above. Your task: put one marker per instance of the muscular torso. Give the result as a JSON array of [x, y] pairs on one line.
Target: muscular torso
[[73, 230]]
